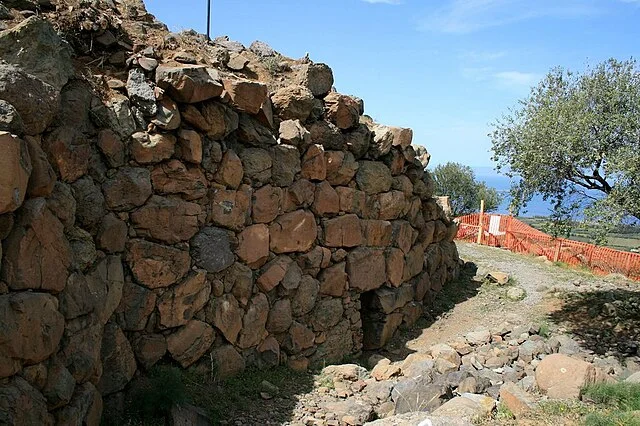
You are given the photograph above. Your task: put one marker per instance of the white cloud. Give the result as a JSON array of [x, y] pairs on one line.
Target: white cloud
[[467, 16], [383, 1], [477, 73], [482, 56], [508, 79], [517, 78]]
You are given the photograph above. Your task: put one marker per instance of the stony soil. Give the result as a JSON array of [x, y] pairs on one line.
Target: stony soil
[[600, 314]]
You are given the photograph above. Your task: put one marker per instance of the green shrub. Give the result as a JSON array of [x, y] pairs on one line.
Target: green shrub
[[616, 418], [623, 396], [153, 396]]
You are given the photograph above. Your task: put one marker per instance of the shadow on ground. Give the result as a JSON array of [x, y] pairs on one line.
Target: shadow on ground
[[463, 288], [605, 320], [255, 397]]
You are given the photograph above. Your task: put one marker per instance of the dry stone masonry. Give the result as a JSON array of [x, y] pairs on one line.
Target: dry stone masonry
[[164, 197]]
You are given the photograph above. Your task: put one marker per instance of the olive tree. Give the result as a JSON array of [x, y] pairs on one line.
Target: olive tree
[[576, 141], [458, 183]]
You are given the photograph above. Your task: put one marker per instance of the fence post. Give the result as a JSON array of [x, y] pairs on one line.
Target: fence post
[[591, 249], [479, 241], [556, 255], [627, 266]]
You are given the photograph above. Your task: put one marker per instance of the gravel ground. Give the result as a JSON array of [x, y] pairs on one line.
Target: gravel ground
[[536, 276]]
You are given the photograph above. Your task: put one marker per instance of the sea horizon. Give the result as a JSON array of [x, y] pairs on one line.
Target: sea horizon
[[501, 183]]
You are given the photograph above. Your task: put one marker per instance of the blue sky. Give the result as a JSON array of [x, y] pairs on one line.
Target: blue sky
[[445, 68]]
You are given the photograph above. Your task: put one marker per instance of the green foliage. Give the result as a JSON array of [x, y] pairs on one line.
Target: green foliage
[[625, 396], [273, 64], [576, 135], [545, 329], [459, 183], [615, 418], [154, 395], [503, 413]]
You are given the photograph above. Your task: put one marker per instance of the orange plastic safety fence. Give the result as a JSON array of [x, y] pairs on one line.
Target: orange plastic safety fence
[[514, 235]]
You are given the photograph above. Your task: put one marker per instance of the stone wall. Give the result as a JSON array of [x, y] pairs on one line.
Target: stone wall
[[170, 206]]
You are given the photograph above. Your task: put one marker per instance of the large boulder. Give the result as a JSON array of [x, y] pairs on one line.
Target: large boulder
[[118, 361], [43, 178], [230, 208], [90, 207], [562, 377], [246, 95], [167, 220], [366, 268], [226, 315], [141, 93], [341, 110], [177, 306], [285, 164], [291, 232], [31, 329], [316, 77], [253, 245], [211, 249], [34, 45], [373, 177], [154, 265], [36, 110], [37, 254], [10, 120], [84, 408], [148, 148], [15, 163], [189, 83], [254, 322], [127, 188], [468, 406], [68, 151], [22, 404], [293, 103], [417, 394], [190, 342]]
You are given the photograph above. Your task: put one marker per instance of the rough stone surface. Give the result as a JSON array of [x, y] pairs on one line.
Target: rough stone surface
[[36, 111], [15, 162], [177, 306], [190, 342], [293, 103], [366, 268], [34, 45], [155, 265], [167, 220], [189, 83], [373, 177], [291, 232], [31, 331], [210, 249], [562, 377], [129, 187], [21, 404], [36, 253], [119, 363]]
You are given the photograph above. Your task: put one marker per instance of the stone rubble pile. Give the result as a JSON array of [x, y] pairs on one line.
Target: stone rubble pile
[[159, 202], [460, 382]]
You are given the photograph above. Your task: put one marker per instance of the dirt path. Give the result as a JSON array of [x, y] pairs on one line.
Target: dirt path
[[543, 285]]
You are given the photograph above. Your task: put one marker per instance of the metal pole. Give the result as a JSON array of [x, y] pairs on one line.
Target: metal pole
[[209, 19]]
